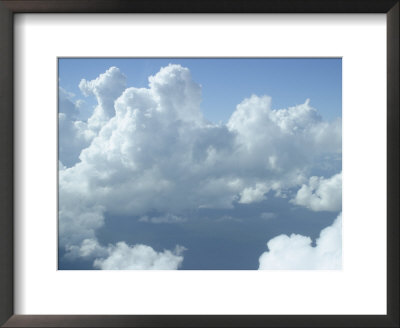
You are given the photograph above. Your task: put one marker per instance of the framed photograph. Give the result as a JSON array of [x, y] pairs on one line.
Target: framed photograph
[[202, 164]]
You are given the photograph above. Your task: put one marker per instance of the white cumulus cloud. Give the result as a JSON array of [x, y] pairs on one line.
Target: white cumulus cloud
[[89, 248], [296, 251], [139, 257], [147, 150], [253, 194], [321, 194], [106, 88], [125, 257]]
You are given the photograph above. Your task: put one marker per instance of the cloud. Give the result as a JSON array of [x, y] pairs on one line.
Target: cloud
[[72, 137], [253, 194], [75, 134], [191, 163], [66, 103], [321, 194], [296, 252], [124, 257], [268, 215], [139, 257], [77, 221], [177, 94], [146, 150], [168, 218], [106, 88], [89, 248], [80, 103]]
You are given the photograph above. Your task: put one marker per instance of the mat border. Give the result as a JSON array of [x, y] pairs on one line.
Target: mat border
[[10, 7]]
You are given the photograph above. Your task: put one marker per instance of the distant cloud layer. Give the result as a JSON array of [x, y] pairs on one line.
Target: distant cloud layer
[[168, 218], [147, 150], [295, 252]]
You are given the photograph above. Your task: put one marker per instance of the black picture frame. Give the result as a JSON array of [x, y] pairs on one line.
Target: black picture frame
[[10, 7]]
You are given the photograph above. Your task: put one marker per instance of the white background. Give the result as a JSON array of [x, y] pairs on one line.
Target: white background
[[360, 288]]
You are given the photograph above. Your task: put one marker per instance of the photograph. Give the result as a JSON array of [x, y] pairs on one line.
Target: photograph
[[202, 164], [199, 163]]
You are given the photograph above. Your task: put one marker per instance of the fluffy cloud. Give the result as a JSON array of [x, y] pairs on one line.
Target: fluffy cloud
[[296, 252], [253, 194], [189, 162], [72, 136], [139, 257], [321, 194], [106, 88], [147, 150], [75, 134], [124, 257], [89, 248]]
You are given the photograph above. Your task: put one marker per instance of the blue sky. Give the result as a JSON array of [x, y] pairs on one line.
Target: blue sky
[[226, 82], [146, 183]]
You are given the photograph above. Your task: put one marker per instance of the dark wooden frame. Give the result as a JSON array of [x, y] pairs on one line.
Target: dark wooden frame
[[7, 10]]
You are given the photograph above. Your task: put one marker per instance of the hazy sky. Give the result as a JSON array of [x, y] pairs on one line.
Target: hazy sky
[[200, 163]]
